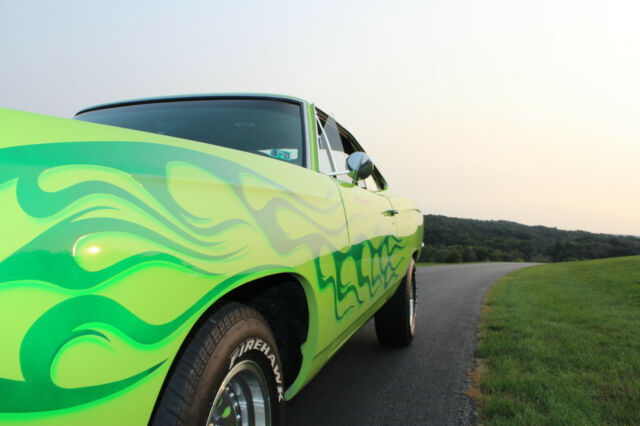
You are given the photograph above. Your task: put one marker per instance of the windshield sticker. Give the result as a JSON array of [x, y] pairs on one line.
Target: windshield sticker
[[281, 154]]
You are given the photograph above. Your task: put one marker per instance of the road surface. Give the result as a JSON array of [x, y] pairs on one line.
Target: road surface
[[365, 384]]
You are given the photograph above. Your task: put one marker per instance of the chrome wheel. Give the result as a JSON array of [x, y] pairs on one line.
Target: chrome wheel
[[243, 398]]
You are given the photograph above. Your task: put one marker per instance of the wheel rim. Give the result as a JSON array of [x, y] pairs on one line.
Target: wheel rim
[[242, 398], [412, 304]]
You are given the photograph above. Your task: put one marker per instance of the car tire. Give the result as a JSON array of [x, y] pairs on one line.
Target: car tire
[[228, 373], [396, 319]]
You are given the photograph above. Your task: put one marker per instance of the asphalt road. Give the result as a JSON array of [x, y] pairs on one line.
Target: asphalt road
[[365, 384]]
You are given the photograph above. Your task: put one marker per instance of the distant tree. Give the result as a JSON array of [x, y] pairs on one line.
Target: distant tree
[[497, 255], [453, 256], [538, 258], [482, 253], [468, 254]]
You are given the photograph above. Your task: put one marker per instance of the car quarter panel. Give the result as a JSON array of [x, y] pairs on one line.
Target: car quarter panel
[[116, 241]]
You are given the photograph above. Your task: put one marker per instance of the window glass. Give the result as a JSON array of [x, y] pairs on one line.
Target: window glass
[[261, 126], [341, 153], [341, 146], [324, 156], [331, 135]]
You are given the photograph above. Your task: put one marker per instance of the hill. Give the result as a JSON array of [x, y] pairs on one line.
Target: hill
[[453, 240]]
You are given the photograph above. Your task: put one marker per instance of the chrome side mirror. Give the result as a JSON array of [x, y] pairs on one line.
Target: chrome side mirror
[[360, 166]]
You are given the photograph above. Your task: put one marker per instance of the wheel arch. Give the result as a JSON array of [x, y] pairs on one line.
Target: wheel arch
[[287, 302]]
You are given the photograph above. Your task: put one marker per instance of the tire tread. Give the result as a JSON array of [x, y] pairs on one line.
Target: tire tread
[[181, 384]]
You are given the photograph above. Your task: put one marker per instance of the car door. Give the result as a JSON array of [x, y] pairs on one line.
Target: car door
[[368, 267]]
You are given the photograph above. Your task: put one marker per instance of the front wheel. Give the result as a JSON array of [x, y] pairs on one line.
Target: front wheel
[[228, 374], [396, 319]]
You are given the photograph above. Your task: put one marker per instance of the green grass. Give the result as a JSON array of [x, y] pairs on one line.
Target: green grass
[[560, 344]]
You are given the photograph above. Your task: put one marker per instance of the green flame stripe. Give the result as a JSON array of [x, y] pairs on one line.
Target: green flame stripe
[[48, 257]]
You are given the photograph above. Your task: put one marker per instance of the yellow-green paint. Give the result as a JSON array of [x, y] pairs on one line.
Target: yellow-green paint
[[115, 242]]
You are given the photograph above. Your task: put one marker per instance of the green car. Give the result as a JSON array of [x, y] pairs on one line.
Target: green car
[[190, 260]]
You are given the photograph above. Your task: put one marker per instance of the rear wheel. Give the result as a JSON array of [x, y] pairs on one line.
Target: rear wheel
[[396, 319], [228, 374]]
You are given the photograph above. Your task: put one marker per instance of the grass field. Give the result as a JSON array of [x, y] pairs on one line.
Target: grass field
[[560, 344]]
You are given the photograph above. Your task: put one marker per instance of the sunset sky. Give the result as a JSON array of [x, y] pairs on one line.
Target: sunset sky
[[524, 111]]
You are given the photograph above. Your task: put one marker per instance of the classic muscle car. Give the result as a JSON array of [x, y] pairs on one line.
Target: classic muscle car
[[190, 260]]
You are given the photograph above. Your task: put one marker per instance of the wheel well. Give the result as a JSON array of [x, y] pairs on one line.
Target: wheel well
[[282, 301]]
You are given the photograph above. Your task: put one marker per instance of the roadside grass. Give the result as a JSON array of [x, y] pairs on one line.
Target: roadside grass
[[560, 344]]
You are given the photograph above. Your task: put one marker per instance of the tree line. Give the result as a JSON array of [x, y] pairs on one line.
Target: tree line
[[454, 240]]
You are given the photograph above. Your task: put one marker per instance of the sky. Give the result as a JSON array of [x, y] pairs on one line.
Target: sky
[[523, 111]]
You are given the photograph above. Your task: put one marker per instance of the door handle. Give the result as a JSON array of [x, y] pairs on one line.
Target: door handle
[[391, 212]]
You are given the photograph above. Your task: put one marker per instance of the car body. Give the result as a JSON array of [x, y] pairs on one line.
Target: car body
[[117, 242]]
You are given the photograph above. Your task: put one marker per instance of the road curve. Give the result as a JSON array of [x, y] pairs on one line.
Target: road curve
[[365, 384]]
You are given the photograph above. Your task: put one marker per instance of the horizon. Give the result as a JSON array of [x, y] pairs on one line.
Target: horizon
[[530, 225], [499, 109]]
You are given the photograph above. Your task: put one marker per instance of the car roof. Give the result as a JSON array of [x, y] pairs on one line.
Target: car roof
[[192, 97]]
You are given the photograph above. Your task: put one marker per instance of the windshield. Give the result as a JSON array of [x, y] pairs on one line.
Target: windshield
[[261, 126]]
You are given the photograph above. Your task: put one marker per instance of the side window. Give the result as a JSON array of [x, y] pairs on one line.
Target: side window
[[331, 136], [342, 146], [325, 161]]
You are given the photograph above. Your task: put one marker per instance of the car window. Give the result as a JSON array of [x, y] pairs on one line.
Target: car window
[[272, 128], [325, 161], [331, 136], [341, 146], [342, 151]]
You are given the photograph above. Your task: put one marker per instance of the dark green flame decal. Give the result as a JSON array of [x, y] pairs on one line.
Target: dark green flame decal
[[172, 234], [382, 253]]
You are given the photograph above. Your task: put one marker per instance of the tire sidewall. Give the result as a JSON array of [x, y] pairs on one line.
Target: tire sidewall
[[405, 295], [411, 287], [249, 339], [393, 320]]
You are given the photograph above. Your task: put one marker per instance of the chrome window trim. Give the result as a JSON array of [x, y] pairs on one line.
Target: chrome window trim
[[331, 159], [307, 138]]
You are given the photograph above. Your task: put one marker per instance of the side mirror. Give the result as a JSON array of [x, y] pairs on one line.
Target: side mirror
[[360, 166]]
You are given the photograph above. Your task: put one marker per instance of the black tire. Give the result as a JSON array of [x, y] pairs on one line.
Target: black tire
[[396, 320], [233, 346]]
